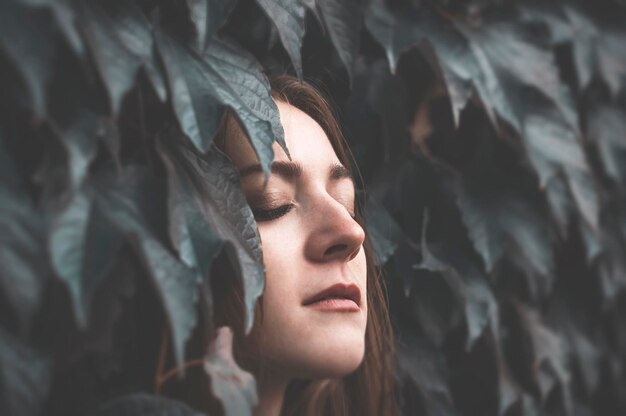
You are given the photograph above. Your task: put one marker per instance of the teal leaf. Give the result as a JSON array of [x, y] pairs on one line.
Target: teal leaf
[[25, 376], [121, 42], [235, 387], [191, 92], [343, 21], [207, 17], [288, 18], [382, 230], [240, 83], [143, 404], [125, 199], [29, 29], [82, 247], [226, 209], [22, 258]]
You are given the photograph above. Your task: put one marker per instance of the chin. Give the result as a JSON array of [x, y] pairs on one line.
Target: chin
[[331, 358]]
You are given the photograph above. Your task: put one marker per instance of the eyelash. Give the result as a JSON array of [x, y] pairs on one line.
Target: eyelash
[[271, 214]]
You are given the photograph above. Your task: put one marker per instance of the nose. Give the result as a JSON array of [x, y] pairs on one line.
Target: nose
[[334, 235]]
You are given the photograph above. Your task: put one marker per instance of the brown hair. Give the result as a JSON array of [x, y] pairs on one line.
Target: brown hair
[[370, 389]]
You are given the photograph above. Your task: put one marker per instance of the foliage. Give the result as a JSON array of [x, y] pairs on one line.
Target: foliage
[[491, 136]]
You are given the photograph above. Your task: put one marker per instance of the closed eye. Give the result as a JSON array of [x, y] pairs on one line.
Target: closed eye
[[269, 214]]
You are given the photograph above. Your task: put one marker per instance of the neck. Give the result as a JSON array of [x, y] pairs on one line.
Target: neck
[[271, 391]]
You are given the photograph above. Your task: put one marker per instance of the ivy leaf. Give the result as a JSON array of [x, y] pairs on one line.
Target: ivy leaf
[[28, 29], [21, 237], [223, 75], [65, 16], [425, 365], [383, 232], [233, 386], [192, 95], [79, 237], [226, 209], [124, 199], [343, 21], [121, 43], [142, 404], [240, 83], [208, 16], [288, 18], [196, 243], [606, 128], [470, 285], [25, 376]]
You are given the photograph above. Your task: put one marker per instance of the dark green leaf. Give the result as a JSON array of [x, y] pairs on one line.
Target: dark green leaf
[[288, 18], [142, 404], [227, 211], [27, 29], [22, 257], [208, 16], [121, 43], [124, 199], [191, 92], [25, 376], [235, 387], [382, 230], [343, 21], [65, 17], [606, 127]]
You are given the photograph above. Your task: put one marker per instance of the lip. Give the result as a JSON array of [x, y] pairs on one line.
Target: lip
[[338, 297]]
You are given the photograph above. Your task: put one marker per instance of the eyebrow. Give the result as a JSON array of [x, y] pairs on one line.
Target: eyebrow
[[291, 170]]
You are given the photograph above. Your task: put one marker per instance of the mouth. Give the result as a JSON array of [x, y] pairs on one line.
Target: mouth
[[340, 296]]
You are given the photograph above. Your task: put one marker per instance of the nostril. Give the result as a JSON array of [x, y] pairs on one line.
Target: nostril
[[334, 249]]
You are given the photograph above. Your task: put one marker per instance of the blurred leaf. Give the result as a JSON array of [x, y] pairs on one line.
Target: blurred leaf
[[606, 128], [65, 15], [25, 376], [382, 230], [288, 18], [121, 42], [124, 199], [235, 387], [343, 21], [425, 366], [29, 29], [142, 404], [208, 16]]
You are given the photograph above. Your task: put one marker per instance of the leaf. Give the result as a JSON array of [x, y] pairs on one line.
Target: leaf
[[288, 18], [606, 128], [343, 21], [426, 366], [227, 211], [196, 242], [25, 376], [470, 285], [65, 16], [208, 16], [233, 386], [382, 231], [142, 404], [27, 29], [223, 75], [241, 84], [192, 95], [82, 246], [22, 271], [121, 43], [124, 200]]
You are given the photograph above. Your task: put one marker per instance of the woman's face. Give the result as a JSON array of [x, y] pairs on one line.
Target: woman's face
[[310, 243]]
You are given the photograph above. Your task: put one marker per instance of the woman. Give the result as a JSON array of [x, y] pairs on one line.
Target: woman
[[321, 342]]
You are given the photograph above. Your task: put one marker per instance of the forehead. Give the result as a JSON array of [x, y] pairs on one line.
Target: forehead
[[306, 140]]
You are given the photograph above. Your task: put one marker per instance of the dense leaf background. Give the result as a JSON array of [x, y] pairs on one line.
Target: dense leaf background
[[491, 136]]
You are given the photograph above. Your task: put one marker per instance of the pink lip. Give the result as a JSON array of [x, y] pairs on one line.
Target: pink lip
[[338, 297]]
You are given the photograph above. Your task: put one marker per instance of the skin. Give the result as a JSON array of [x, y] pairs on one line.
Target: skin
[[309, 247]]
